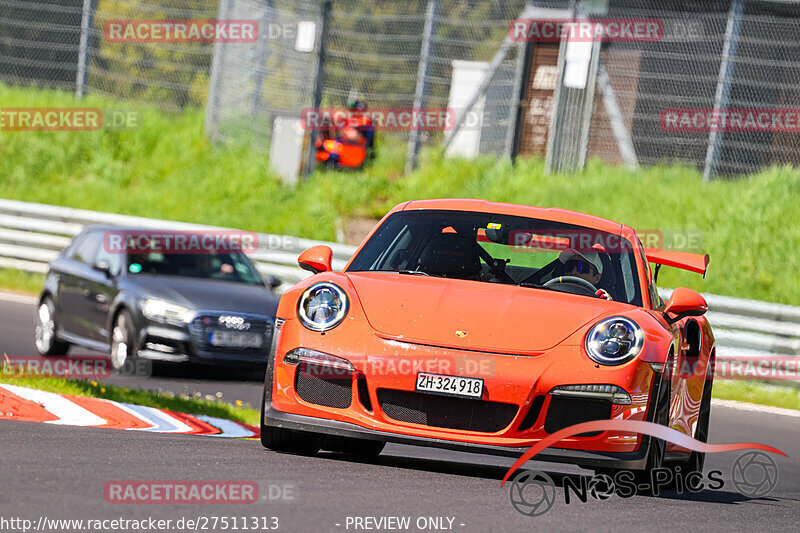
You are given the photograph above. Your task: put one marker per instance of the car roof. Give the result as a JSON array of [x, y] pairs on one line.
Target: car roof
[[543, 213]]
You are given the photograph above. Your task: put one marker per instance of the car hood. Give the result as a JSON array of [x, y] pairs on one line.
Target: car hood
[[472, 315], [205, 294]]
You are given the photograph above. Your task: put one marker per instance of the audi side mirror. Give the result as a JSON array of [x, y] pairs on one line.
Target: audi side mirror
[[104, 267]]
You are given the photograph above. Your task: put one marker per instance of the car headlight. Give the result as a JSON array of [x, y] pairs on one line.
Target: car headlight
[[614, 341], [322, 306], [163, 311]]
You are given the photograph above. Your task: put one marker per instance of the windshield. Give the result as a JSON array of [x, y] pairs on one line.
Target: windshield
[[484, 247], [221, 266]]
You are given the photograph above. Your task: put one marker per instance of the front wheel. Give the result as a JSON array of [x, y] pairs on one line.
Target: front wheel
[[45, 333], [358, 448], [289, 441], [657, 449], [123, 344], [696, 460]]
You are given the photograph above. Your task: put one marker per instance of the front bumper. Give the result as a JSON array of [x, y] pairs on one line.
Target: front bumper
[[188, 343], [588, 459], [523, 383]]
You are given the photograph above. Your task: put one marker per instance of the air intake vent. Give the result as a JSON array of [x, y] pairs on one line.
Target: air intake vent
[[321, 385], [533, 413], [564, 412], [445, 412], [363, 392]]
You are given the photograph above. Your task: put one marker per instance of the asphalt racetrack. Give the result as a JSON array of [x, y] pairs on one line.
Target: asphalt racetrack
[[50, 472]]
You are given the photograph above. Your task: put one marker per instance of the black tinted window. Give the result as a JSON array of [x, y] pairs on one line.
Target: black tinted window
[[226, 267], [485, 247]]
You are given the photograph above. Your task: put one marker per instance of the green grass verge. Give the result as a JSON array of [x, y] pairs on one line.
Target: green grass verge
[[160, 400], [19, 281], [760, 393], [169, 169]]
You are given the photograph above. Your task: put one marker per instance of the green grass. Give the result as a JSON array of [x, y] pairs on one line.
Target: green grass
[[169, 169], [17, 280], [160, 400], [760, 393]]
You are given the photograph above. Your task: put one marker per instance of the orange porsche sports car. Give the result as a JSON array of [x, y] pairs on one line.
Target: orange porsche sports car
[[485, 327]]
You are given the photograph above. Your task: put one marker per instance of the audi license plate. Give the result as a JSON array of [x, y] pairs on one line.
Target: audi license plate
[[235, 339], [449, 385]]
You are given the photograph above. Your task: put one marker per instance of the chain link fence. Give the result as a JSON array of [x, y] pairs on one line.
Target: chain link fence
[[713, 54], [732, 57]]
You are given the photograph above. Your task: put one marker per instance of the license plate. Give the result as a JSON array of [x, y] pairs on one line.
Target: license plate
[[450, 385], [235, 339]]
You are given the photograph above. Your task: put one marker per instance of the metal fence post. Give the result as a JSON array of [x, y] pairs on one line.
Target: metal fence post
[[421, 91], [497, 60], [212, 101], [319, 85], [516, 97], [262, 53], [724, 81], [82, 75]]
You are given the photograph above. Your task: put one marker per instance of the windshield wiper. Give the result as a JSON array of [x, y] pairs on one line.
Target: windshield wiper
[[413, 272]]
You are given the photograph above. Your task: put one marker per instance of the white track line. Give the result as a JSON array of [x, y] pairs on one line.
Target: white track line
[[744, 406], [18, 298], [68, 413], [163, 423], [123, 407], [230, 429]]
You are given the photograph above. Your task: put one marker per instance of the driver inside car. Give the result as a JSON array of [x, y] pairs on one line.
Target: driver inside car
[[586, 266]]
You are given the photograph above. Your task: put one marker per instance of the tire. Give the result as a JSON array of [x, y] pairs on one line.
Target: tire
[[359, 448], [46, 332], [696, 460], [123, 340], [657, 448], [280, 439], [288, 441]]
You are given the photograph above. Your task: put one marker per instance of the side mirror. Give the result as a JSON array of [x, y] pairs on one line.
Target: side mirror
[[104, 267], [316, 259], [684, 302], [274, 282]]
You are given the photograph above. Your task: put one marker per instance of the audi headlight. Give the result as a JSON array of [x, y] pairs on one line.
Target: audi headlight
[[614, 341], [322, 306], [162, 311]]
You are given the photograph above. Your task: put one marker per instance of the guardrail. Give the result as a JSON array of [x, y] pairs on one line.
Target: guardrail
[[31, 235]]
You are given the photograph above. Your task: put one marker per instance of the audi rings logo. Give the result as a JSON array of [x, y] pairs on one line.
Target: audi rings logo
[[755, 474], [234, 322], [532, 493]]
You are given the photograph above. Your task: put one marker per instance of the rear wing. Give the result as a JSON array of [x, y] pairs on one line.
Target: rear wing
[[685, 260]]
